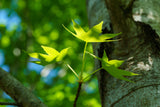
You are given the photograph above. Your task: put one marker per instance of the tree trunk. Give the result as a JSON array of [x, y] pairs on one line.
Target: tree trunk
[[139, 47]]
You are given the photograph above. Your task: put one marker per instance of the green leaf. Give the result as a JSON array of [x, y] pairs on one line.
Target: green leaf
[[33, 55], [112, 68], [118, 73], [51, 56], [48, 58], [93, 35], [62, 54], [50, 51], [115, 63], [78, 29]]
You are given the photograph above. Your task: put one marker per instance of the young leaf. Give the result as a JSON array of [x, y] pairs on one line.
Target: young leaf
[[78, 29], [51, 56], [33, 55], [115, 63], [50, 51], [112, 68], [93, 35], [62, 54], [118, 73]]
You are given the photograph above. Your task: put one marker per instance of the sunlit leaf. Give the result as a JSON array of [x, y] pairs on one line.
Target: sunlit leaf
[[78, 29], [112, 68], [50, 51], [62, 54], [93, 35], [33, 55], [115, 63], [48, 58], [51, 56]]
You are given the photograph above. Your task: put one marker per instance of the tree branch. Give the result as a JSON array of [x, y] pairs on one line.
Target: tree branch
[[22, 96], [7, 103], [77, 95]]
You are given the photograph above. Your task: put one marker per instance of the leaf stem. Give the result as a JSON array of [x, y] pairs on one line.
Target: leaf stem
[[92, 73], [78, 93], [72, 70], [93, 56], [83, 62]]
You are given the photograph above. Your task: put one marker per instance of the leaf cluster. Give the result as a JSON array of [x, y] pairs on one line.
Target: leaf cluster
[[92, 35]]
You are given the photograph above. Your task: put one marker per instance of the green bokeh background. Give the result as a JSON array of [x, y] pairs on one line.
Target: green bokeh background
[[41, 24]]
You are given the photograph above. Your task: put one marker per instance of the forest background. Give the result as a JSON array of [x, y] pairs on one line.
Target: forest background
[[25, 25]]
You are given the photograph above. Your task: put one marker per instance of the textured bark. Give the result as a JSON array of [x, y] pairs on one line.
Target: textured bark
[[139, 47], [22, 96]]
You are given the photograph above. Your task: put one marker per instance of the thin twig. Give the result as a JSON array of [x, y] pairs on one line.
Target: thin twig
[[8, 103], [77, 95]]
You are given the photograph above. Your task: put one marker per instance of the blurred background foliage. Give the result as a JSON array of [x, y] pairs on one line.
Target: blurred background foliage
[[25, 25]]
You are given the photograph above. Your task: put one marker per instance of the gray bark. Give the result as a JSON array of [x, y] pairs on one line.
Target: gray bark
[[139, 47], [22, 96]]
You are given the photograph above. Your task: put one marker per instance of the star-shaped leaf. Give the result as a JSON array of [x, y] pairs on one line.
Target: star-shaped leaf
[[112, 68], [93, 35], [51, 56]]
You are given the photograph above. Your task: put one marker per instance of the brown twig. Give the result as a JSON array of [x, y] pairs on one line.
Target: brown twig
[[77, 95]]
